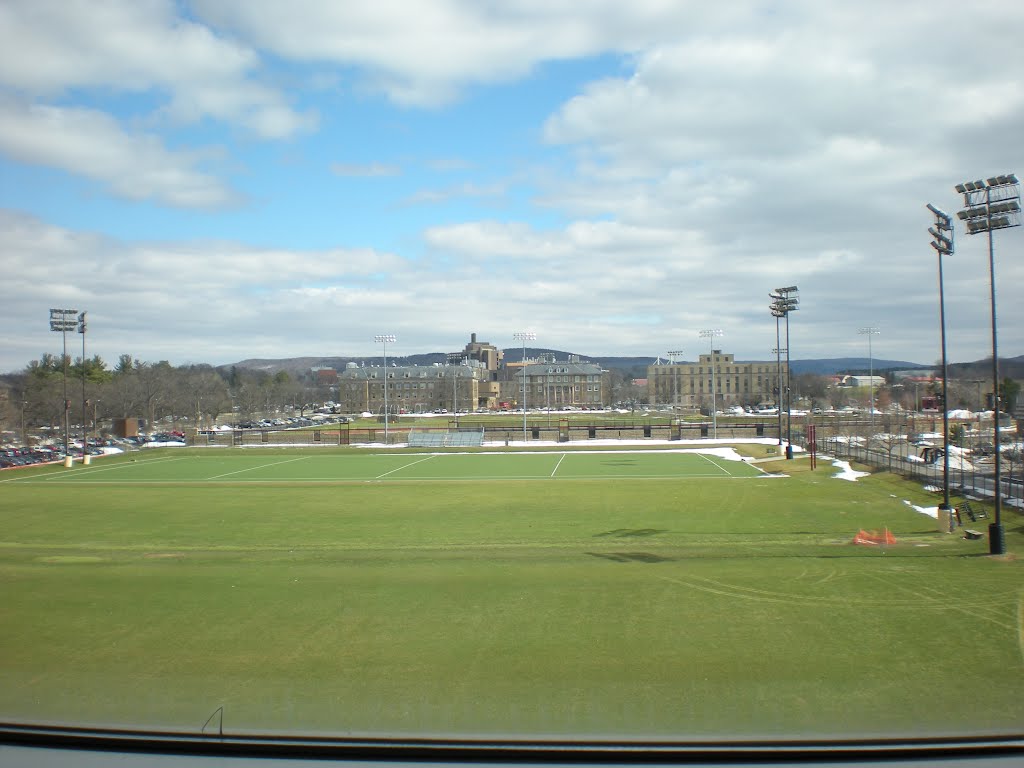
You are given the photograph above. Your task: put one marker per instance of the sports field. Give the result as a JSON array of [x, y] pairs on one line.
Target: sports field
[[612, 593]]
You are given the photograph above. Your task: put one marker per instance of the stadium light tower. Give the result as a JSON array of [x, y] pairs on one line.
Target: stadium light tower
[[713, 333], [943, 245], [385, 339], [673, 358], [786, 300], [524, 336], [778, 313], [85, 403], [62, 321], [870, 331], [990, 205]]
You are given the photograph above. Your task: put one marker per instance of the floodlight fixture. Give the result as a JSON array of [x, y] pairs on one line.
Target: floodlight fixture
[[941, 242], [524, 336], [942, 219], [385, 339], [988, 207]]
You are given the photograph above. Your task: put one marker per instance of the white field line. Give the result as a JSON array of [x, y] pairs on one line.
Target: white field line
[[715, 463], [406, 466], [560, 460], [260, 466], [92, 471]]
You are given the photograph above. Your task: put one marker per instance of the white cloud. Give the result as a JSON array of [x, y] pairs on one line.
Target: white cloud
[[367, 170], [425, 53], [91, 144], [466, 189], [740, 146], [185, 301], [48, 48]]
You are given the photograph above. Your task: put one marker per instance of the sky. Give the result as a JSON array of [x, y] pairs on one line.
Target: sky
[[216, 180]]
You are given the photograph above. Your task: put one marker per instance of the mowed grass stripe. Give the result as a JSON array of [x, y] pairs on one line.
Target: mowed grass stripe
[[314, 467], [258, 467], [121, 464]]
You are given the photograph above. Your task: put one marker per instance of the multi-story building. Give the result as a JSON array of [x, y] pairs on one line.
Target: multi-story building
[[468, 382], [555, 384], [474, 379], [688, 386], [411, 388]]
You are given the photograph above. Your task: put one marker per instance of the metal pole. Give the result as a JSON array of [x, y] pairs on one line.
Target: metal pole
[[63, 320], [384, 339], [778, 374], [67, 403], [714, 394], [672, 358], [942, 223], [85, 428], [789, 399], [711, 333], [870, 331], [979, 217], [524, 336], [997, 542]]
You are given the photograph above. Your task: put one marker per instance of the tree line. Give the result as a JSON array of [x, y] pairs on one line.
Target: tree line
[[194, 395]]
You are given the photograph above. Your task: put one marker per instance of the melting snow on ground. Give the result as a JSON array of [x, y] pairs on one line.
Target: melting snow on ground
[[930, 511], [846, 472]]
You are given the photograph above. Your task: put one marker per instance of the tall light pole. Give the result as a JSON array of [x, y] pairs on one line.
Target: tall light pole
[[778, 312], [786, 300], [85, 429], [672, 358], [990, 205], [943, 245], [62, 321], [524, 336], [713, 333], [385, 339], [870, 331]]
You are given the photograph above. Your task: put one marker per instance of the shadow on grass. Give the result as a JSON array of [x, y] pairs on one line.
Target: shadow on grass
[[623, 533], [631, 557]]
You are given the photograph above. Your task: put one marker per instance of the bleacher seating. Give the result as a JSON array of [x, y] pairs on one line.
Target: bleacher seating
[[462, 438]]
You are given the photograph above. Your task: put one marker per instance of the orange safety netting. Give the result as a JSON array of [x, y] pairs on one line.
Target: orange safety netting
[[874, 537]]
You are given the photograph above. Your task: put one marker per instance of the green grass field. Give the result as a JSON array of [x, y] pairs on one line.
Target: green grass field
[[617, 594]]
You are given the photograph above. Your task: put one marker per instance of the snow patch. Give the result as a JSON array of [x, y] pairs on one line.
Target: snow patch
[[846, 472], [930, 511]]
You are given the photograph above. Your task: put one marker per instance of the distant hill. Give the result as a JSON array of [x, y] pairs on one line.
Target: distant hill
[[1011, 367], [837, 365]]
